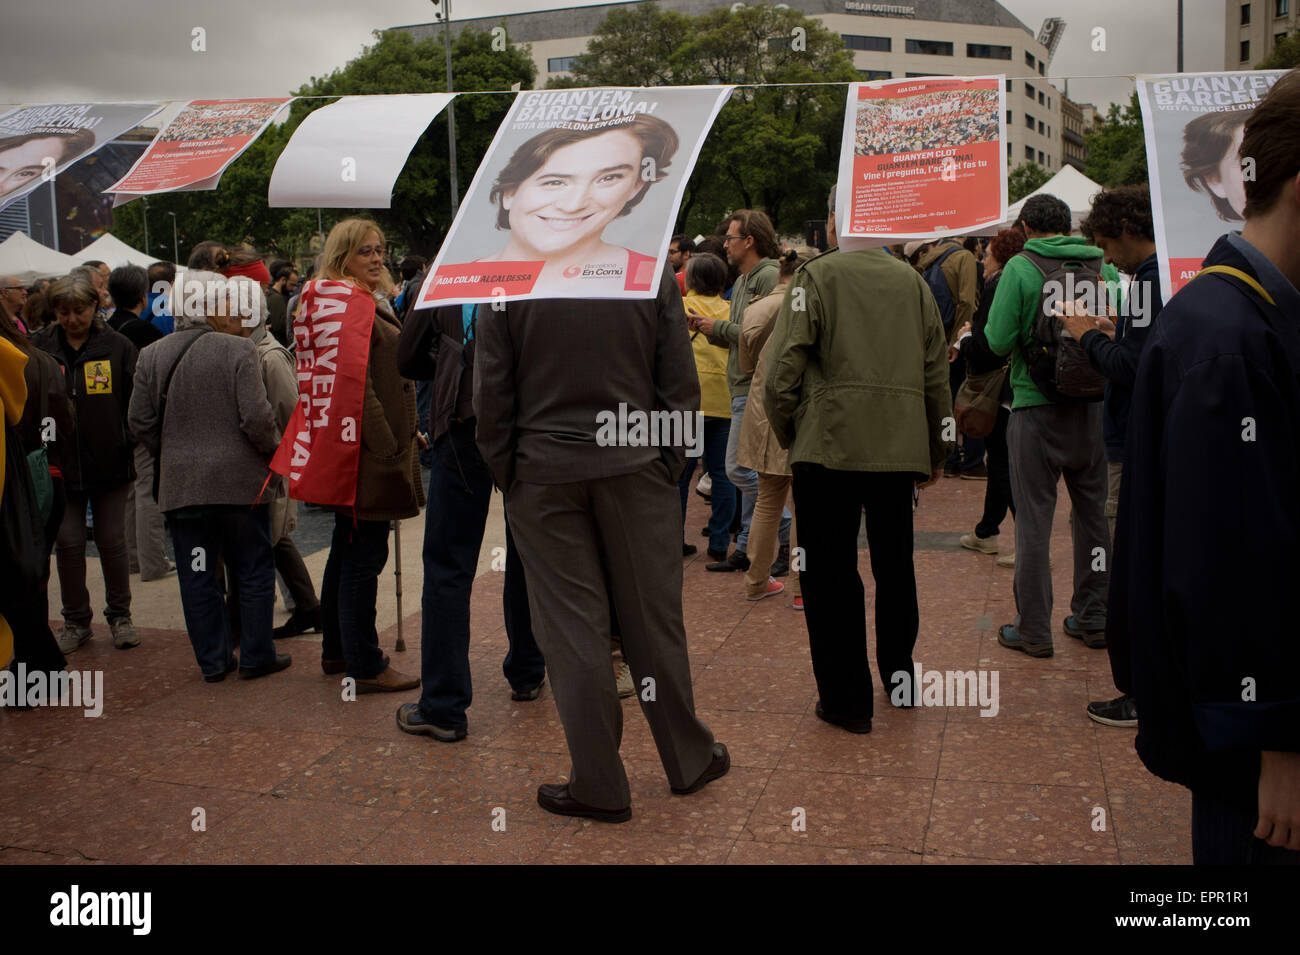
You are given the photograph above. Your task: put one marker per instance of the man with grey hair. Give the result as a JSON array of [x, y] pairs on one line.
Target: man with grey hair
[[201, 408], [13, 296]]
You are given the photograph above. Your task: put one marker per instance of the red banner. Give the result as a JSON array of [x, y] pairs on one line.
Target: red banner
[[321, 447]]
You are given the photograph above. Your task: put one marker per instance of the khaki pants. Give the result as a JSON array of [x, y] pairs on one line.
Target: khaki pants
[[773, 489], [1114, 471], [144, 522]]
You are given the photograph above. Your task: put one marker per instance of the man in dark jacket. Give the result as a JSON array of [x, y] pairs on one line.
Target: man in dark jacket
[[1214, 428], [1120, 225], [128, 286], [437, 347], [595, 510]]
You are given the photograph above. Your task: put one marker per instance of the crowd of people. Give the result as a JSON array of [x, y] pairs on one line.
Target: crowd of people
[[827, 385], [879, 132]]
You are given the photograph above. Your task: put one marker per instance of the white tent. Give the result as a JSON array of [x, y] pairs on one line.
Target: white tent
[[114, 252], [1071, 187], [28, 260]]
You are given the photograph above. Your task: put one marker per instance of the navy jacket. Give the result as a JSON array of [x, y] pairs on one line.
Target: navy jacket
[[1118, 359], [1208, 539]]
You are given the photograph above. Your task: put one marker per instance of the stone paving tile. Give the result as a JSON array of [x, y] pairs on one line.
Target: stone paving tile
[[625, 844], [251, 760], [772, 853], [124, 745], [844, 811], [901, 743], [424, 839], [990, 820], [1010, 752], [754, 689]]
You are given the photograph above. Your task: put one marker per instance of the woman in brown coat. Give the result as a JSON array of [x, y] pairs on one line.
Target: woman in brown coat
[[388, 474]]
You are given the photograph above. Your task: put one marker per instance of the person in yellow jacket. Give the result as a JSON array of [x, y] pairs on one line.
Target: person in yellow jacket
[[706, 278], [13, 396]]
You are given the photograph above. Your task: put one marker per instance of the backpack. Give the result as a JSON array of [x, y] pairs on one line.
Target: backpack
[[1059, 365], [938, 283]]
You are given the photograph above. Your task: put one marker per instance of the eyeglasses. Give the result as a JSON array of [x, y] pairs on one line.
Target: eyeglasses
[[728, 238], [366, 251], [15, 288]]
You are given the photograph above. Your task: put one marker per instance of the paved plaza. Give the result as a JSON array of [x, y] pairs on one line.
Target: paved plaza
[[282, 770]]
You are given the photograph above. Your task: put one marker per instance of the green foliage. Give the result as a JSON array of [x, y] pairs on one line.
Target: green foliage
[[1285, 56], [1117, 153], [775, 149], [421, 209], [1024, 179]]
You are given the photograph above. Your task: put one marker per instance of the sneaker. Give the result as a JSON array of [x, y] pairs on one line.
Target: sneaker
[[411, 720], [1006, 560], [526, 695], [736, 562], [623, 680], [170, 568], [797, 604], [1093, 639], [1121, 711], [704, 486], [773, 588], [979, 472], [124, 635], [72, 636], [984, 545], [1010, 638]]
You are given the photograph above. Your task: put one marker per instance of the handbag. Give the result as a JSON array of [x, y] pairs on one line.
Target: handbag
[[978, 401]]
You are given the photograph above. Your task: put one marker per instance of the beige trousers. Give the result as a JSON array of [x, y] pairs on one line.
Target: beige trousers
[[773, 489]]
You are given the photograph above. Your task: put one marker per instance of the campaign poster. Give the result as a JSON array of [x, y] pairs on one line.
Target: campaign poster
[[194, 149], [923, 158], [577, 196], [1193, 124], [348, 155], [39, 142]]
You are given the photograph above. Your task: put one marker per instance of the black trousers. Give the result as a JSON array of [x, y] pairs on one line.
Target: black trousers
[[829, 506], [34, 643], [1224, 834], [997, 495], [296, 577]]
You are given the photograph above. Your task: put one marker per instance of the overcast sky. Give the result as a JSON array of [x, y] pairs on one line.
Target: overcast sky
[[70, 50]]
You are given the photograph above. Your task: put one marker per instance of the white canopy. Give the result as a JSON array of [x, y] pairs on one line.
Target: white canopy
[[28, 260], [113, 251], [1071, 187]]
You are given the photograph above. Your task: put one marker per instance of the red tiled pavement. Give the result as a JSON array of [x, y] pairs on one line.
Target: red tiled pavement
[[283, 770]]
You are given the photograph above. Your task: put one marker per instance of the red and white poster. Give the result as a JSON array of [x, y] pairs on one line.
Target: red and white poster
[[577, 198], [923, 158], [194, 149]]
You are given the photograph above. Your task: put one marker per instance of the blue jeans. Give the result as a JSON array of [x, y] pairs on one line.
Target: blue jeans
[[423, 404], [243, 538], [723, 494], [358, 552], [460, 488], [746, 479]]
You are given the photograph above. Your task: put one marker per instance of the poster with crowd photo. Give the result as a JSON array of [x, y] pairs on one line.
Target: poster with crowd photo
[[194, 149], [577, 196], [39, 142], [923, 158], [1193, 124]]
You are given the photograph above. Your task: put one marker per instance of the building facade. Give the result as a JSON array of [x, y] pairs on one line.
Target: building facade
[[1252, 28], [1074, 128], [886, 40]]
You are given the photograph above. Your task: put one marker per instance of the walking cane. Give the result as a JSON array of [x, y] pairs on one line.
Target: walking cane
[[397, 574]]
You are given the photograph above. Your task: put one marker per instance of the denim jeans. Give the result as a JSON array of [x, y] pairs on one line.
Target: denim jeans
[[243, 537], [460, 488], [423, 404], [358, 553], [723, 495], [746, 480]]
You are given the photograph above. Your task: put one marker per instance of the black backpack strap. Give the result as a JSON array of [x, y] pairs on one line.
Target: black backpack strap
[[162, 406]]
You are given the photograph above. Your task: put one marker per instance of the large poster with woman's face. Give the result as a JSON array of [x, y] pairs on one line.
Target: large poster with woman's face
[[1193, 124], [39, 142], [577, 197]]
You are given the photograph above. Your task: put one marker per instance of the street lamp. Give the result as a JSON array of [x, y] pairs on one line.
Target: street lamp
[[176, 248], [445, 15], [145, 214]]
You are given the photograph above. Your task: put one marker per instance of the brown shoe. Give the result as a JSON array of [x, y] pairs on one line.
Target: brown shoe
[[554, 797], [390, 680]]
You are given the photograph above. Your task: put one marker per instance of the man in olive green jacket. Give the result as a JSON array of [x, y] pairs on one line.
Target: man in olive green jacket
[[857, 390]]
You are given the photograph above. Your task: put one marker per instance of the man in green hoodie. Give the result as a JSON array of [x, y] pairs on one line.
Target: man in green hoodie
[[1046, 440]]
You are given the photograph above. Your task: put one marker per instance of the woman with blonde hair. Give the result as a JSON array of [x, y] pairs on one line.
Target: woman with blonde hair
[[388, 485]]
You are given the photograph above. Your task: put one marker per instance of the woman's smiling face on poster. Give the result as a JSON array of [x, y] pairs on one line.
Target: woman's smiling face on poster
[[578, 191]]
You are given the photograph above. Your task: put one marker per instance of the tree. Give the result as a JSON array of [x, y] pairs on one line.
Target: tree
[[421, 208], [771, 148], [1285, 55], [1024, 179], [1117, 152]]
